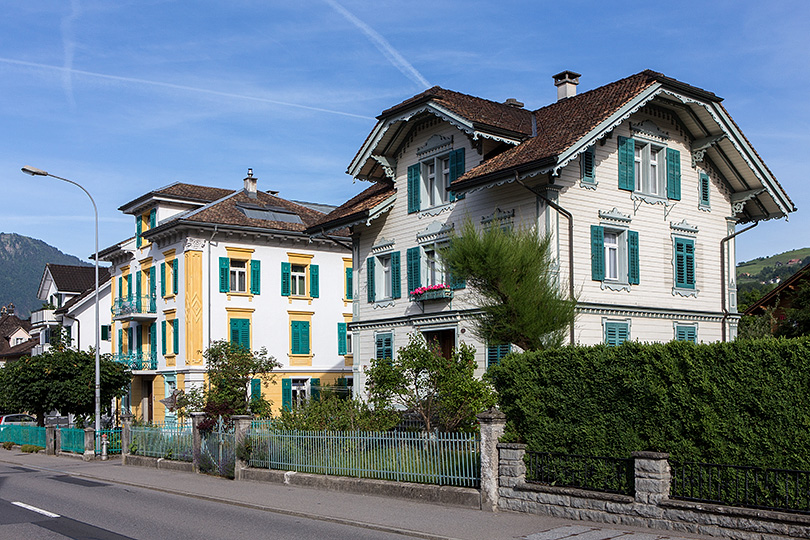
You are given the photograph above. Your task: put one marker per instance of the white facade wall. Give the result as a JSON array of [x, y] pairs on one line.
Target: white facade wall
[[81, 319]]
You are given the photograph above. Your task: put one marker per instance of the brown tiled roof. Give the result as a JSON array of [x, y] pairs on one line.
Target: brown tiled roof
[[474, 109], [76, 279], [21, 349], [561, 124], [103, 277], [356, 207], [8, 325], [194, 192], [226, 212]]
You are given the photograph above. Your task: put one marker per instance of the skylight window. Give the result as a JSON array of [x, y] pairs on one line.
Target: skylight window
[[269, 213]]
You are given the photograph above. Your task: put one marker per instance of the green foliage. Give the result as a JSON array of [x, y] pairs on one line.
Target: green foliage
[[797, 317], [189, 401], [31, 448], [510, 271], [62, 380], [743, 402], [230, 369], [755, 326], [335, 413], [438, 389], [8, 445]]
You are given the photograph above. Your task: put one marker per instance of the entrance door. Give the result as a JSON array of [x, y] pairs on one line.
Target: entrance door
[[445, 339], [146, 400]]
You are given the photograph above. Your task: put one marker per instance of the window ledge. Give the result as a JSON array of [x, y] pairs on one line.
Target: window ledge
[[588, 185], [615, 286], [649, 199], [704, 207], [240, 294], [436, 210], [169, 297], [307, 298], [684, 292], [384, 303]]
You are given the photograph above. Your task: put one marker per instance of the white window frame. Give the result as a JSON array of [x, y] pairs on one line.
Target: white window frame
[[384, 285], [650, 168], [299, 392], [237, 276], [348, 342], [298, 278], [436, 181]]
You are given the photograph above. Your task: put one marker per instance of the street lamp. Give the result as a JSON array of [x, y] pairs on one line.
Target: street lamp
[[38, 172]]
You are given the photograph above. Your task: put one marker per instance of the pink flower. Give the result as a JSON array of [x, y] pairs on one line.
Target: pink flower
[[421, 290]]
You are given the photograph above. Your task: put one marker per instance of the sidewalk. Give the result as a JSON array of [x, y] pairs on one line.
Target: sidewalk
[[431, 522]]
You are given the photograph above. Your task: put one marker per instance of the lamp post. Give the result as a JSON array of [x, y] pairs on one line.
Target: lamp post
[[38, 172]]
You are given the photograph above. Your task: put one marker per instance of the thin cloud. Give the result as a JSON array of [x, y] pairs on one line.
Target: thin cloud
[[181, 87], [69, 46], [384, 47]]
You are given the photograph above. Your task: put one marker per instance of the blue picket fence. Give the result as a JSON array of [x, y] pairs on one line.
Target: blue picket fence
[[23, 435]]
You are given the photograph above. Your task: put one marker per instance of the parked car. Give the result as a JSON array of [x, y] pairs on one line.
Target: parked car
[[17, 420]]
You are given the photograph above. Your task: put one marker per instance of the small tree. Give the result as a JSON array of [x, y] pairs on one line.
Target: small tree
[[438, 389], [60, 379], [230, 370], [510, 271]]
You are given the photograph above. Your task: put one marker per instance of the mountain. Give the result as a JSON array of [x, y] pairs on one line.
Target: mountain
[[22, 262]]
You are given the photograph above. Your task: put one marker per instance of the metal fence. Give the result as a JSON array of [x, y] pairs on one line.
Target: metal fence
[[72, 440], [218, 450], [23, 435], [595, 473], [735, 485], [451, 459], [113, 440], [169, 441]]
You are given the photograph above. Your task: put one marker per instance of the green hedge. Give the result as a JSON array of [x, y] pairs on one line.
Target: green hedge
[[744, 403]]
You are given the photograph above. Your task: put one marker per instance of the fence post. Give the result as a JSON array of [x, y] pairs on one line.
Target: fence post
[[196, 439], [241, 426], [89, 444], [57, 442], [652, 477], [126, 436], [492, 424], [50, 440]]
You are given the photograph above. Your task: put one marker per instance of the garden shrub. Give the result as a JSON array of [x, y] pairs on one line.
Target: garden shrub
[[744, 402], [31, 448], [8, 445]]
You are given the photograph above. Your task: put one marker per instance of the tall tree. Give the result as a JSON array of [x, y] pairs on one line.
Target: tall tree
[[510, 270]]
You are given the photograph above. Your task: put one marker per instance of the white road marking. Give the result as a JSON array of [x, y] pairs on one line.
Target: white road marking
[[35, 509]]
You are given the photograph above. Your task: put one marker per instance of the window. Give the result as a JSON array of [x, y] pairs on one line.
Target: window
[[294, 274], [588, 168], [384, 346], [294, 392], [425, 269], [240, 332], [105, 332], [686, 333], [143, 223], [348, 281], [684, 262], [299, 337], [496, 352], [238, 276], [429, 180], [703, 197], [650, 169], [298, 280], [614, 256], [170, 278], [344, 339], [616, 333], [383, 276]]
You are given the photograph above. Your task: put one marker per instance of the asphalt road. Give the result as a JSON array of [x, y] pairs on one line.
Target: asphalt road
[[87, 509]]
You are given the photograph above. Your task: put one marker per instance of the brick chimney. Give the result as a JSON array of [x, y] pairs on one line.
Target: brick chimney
[[566, 83], [250, 184]]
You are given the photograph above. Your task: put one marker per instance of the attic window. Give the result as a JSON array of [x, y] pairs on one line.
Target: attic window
[[269, 213]]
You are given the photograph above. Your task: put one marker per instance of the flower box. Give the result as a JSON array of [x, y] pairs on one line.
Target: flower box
[[432, 292]]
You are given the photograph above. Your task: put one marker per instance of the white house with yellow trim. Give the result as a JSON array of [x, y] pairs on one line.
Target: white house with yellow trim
[[210, 264]]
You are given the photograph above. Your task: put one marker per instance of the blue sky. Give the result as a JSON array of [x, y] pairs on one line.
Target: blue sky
[[128, 96]]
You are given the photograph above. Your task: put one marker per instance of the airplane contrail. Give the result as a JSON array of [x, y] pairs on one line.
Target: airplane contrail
[[383, 46], [180, 87], [69, 47]]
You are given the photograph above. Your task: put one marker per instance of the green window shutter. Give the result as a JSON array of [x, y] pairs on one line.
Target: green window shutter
[[314, 287], [597, 253], [138, 294], [295, 339], [496, 352], [153, 218], [163, 279], [632, 258], [627, 163], [152, 287], [139, 339], [300, 337], [175, 275], [684, 263], [153, 340], [105, 332], [255, 276], [456, 283], [240, 332], [414, 188], [120, 341], [384, 346], [163, 337], [349, 286], [341, 338], [304, 336], [673, 174], [176, 336], [245, 334], [139, 230], [413, 260], [235, 330], [616, 333], [130, 339], [120, 287], [315, 388], [370, 262], [129, 286], [396, 277], [704, 190], [224, 269], [686, 333], [285, 279], [456, 170], [286, 394], [587, 165], [255, 389]]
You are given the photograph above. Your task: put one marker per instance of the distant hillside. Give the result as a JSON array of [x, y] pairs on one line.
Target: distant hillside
[[22, 261], [758, 277]]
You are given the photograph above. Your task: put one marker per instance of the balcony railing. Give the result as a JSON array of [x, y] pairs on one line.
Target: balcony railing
[[43, 316], [436, 294], [137, 361], [134, 305]]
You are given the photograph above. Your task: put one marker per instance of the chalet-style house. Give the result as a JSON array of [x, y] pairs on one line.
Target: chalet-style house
[[210, 264], [641, 185], [68, 296], [16, 337], [781, 298]]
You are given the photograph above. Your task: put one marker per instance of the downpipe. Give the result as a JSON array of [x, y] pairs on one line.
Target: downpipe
[[723, 286]]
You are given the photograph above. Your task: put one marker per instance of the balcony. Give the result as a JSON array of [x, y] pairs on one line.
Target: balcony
[[137, 361], [135, 307], [43, 317], [434, 294]]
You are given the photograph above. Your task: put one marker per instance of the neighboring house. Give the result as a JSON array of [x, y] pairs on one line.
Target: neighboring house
[[211, 264], [780, 298], [16, 338], [651, 174], [68, 294]]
